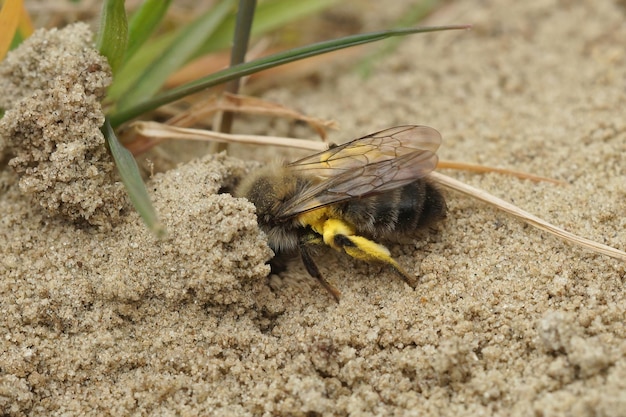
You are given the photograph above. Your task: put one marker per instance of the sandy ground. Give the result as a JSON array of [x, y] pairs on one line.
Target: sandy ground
[[99, 318]]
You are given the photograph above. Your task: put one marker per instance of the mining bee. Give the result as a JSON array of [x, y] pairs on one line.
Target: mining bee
[[372, 188]]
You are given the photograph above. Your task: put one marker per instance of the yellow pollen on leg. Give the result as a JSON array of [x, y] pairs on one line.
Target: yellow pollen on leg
[[334, 227], [368, 250], [357, 247], [315, 219]]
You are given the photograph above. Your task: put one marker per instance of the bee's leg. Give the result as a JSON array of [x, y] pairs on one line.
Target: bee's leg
[[361, 248], [338, 235], [311, 267]]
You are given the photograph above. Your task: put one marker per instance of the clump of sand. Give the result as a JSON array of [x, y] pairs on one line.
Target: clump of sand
[[71, 294], [52, 88]]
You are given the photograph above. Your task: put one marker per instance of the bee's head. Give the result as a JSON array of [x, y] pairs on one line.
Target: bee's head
[[268, 188]]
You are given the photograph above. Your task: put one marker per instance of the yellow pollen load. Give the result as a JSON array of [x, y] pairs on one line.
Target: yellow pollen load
[[367, 250], [363, 249], [315, 219], [334, 227], [359, 248]]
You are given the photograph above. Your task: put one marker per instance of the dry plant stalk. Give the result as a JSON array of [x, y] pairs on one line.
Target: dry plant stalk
[[225, 102], [526, 217], [466, 166], [237, 103], [162, 131], [158, 130]]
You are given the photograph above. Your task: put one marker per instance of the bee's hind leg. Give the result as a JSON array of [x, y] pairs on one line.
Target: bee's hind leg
[[338, 235], [311, 267]]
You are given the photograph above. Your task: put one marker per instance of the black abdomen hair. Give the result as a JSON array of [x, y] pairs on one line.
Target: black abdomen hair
[[401, 212]]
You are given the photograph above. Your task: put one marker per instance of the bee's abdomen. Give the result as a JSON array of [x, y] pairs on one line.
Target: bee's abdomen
[[401, 212]]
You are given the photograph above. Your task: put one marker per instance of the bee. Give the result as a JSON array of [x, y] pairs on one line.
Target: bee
[[374, 188]]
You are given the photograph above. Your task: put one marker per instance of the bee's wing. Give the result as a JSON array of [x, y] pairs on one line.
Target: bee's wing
[[370, 165], [376, 147]]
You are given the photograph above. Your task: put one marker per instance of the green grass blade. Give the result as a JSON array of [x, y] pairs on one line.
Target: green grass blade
[[143, 23], [133, 68], [260, 64], [113, 34], [245, 17], [269, 15], [178, 53], [129, 172]]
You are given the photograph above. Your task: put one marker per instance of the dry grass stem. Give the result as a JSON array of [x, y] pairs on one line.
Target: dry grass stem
[[250, 105], [161, 131], [526, 217], [465, 166]]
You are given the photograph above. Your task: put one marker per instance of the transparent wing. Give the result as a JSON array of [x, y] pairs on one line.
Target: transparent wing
[[370, 165], [387, 144]]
